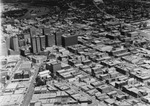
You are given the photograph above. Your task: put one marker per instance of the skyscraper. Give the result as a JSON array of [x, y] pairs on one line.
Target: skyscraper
[[68, 40], [42, 42], [54, 67], [33, 44], [14, 45], [32, 31], [50, 40], [46, 31], [38, 46], [58, 40]]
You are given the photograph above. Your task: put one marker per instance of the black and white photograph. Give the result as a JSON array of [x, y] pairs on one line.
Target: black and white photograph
[[75, 53]]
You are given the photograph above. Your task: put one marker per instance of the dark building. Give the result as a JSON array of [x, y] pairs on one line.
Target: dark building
[[38, 46], [53, 67], [22, 74], [14, 45], [68, 40], [50, 40], [33, 44], [42, 42], [58, 40], [24, 51], [46, 31]]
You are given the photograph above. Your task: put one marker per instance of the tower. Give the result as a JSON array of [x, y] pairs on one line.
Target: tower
[[58, 40], [14, 45], [33, 44], [46, 31], [50, 40], [42, 42], [38, 46], [32, 31], [55, 66]]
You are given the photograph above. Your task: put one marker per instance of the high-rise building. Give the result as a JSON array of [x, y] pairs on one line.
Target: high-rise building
[[68, 40], [55, 66], [42, 42], [50, 37], [33, 44], [38, 46], [14, 45], [8, 42], [4, 49], [58, 40], [27, 38], [50, 40], [32, 31], [46, 31]]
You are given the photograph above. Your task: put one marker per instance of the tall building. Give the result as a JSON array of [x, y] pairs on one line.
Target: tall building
[[55, 66], [8, 42], [32, 31], [14, 45], [33, 44], [27, 38], [42, 42], [50, 40], [68, 40], [4, 49], [38, 46], [49, 36], [46, 31], [58, 40]]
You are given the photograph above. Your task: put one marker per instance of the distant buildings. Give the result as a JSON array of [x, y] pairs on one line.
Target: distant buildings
[[48, 39]]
